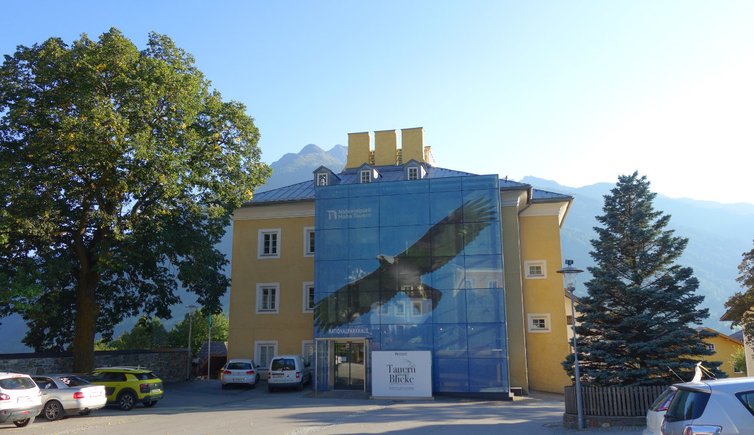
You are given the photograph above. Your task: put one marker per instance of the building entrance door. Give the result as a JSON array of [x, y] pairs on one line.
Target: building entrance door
[[349, 365]]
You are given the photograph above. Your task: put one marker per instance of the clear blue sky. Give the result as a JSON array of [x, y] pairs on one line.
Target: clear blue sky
[[574, 91]]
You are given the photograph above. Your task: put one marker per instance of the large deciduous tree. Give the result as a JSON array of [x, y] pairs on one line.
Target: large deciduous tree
[[119, 170], [740, 306], [637, 320]]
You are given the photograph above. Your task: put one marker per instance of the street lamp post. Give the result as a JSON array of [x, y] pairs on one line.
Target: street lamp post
[[569, 277], [209, 344], [188, 364]]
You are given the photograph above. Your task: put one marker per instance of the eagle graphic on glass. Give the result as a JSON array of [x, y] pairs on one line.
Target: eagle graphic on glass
[[401, 273]]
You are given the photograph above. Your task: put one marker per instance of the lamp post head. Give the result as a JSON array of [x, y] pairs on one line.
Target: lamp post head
[[569, 274]]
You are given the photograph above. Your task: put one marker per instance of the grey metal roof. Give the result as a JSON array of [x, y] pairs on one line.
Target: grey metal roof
[[294, 192], [304, 191], [544, 195]]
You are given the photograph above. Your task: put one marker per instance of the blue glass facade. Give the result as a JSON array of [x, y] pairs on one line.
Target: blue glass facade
[[414, 265]]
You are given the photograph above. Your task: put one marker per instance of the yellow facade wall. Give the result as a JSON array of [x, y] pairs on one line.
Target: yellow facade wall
[[724, 349], [543, 296], [510, 202], [291, 325]]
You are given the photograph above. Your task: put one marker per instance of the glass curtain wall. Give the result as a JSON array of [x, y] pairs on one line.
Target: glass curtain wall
[[415, 265]]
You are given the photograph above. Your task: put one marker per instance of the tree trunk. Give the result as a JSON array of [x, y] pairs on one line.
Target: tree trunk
[[85, 325]]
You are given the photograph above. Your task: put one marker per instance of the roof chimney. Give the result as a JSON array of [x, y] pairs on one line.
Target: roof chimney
[[358, 149], [385, 147]]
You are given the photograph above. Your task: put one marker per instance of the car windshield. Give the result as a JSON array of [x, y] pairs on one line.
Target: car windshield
[[74, 381], [283, 364], [687, 405], [238, 366], [20, 383]]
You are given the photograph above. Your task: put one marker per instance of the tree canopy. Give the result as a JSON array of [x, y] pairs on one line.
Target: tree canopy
[[119, 170], [149, 333], [637, 320], [740, 306]]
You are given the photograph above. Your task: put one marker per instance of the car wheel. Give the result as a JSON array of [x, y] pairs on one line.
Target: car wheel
[[53, 410], [301, 385], [126, 400], [22, 423], [150, 403]]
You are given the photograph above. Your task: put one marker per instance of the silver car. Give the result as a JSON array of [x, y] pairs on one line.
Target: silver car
[[239, 371], [68, 395], [711, 407]]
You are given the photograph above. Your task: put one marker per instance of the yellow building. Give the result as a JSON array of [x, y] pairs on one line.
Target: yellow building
[[396, 254], [724, 347]]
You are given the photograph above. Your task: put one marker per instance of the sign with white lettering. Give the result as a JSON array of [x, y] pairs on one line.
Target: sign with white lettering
[[402, 374]]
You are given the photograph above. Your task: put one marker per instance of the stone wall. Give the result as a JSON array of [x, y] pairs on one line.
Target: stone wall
[[169, 364]]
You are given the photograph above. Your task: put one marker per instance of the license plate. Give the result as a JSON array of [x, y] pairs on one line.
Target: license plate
[[24, 399], [277, 375]]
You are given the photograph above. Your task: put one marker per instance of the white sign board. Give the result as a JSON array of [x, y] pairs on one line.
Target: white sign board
[[402, 374]]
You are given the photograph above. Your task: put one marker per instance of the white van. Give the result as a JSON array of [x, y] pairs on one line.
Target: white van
[[288, 371]]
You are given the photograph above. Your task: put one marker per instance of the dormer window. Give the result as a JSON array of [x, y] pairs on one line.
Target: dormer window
[[365, 176], [322, 179], [415, 170], [412, 172]]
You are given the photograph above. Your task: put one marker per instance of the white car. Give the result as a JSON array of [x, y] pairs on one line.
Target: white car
[[288, 371], [68, 394], [711, 407], [239, 371], [656, 412], [20, 401]]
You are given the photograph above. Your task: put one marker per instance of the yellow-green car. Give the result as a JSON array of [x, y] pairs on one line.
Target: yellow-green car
[[127, 386]]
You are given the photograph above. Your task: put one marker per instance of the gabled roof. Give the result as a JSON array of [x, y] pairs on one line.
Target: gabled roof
[[304, 191]]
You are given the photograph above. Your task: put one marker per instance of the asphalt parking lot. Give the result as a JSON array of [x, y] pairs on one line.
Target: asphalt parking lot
[[202, 407]]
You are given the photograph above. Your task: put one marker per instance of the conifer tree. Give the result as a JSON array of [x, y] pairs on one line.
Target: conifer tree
[[637, 321]]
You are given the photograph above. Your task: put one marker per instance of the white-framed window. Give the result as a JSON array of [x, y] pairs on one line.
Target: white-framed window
[[535, 269], [307, 351], [322, 179], [365, 176], [710, 346], [269, 243], [264, 351], [400, 308], [308, 297], [268, 298], [412, 173], [308, 241], [538, 322]]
